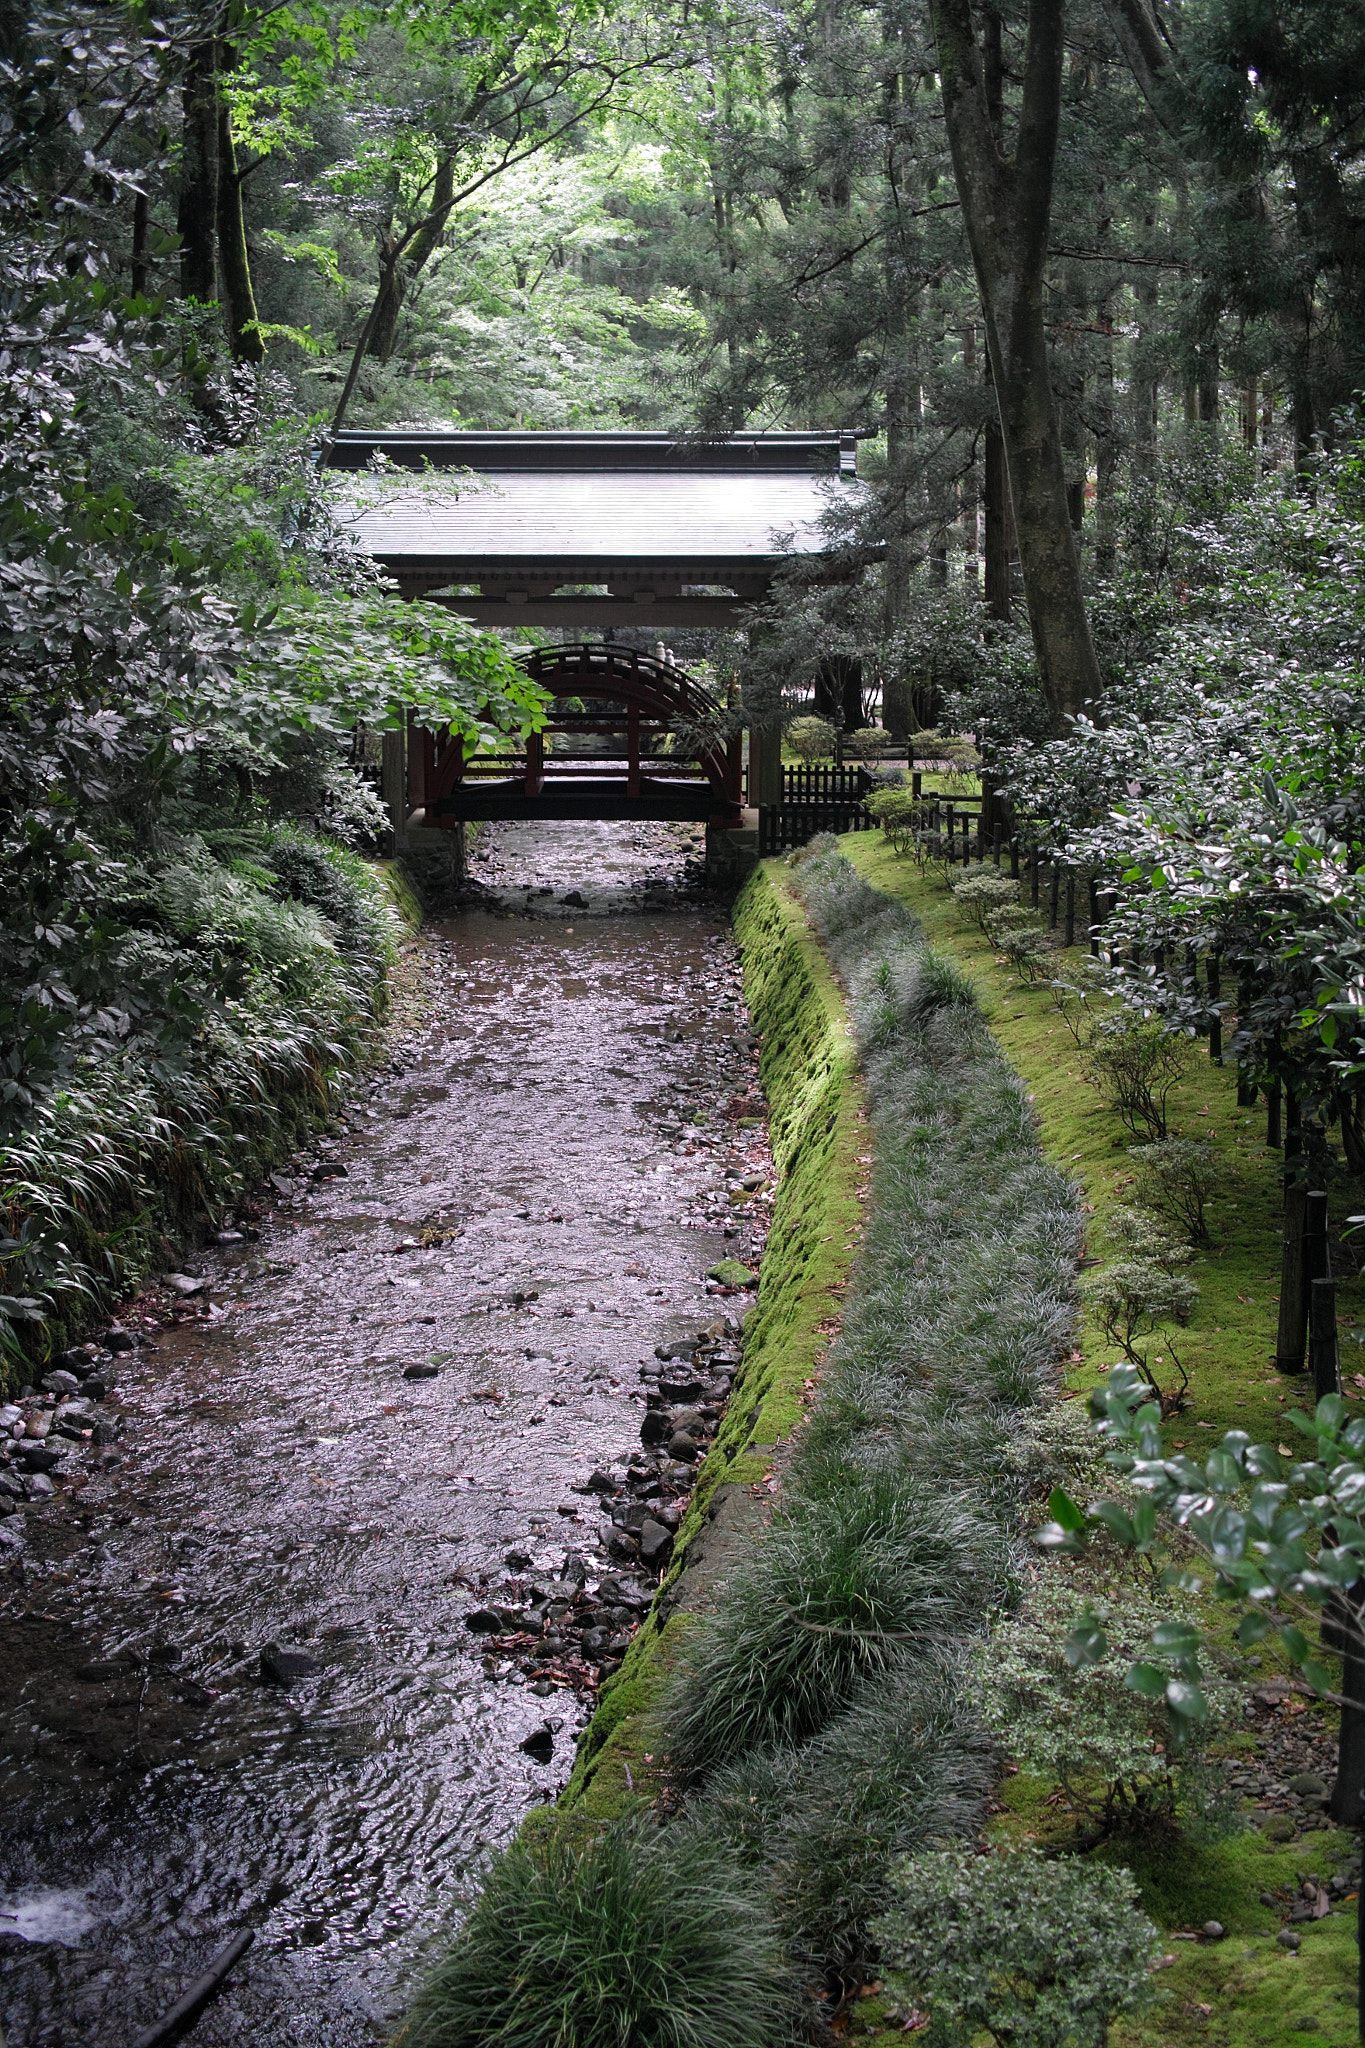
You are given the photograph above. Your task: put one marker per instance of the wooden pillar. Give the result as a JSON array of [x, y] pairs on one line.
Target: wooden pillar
[[394, 779], [633, 751]]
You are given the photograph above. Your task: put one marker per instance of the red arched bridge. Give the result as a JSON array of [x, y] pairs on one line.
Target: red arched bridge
[[629, 736]]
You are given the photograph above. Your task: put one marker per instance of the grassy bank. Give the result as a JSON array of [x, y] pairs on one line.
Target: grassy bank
[[1245, 1991], [796, 1706], [270, 956]]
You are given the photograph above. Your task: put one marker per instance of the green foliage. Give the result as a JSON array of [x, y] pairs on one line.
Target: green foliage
[[1135, 1062], [812, 738], [1124, 1758], [1136, 1296], [583, 1938], [841, 1588], [979, 891], [1033, 1954], [1177, 1180]]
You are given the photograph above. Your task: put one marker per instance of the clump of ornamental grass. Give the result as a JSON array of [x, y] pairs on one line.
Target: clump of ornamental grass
[[904, 1767], [619, 1936], [840, 1588]]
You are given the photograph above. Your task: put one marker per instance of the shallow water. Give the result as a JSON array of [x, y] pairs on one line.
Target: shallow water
[[280, 1480]]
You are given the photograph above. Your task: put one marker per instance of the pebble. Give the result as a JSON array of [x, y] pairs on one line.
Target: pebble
[[285, 1667], [117, 1339], [1213, 1930], [422, 1370], [1288, 1939]]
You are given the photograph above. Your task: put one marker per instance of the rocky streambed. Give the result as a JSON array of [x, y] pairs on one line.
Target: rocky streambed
[[311, 1569]]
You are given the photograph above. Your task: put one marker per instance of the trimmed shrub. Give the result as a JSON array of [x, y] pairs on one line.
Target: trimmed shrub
[[1135, 1062], [979, 891], [1177, 1180], [1124, 1758], [814, 739], [1035, 1954], [620, 1937]]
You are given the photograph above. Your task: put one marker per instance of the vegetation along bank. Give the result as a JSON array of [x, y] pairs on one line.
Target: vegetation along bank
[[803, 1720]]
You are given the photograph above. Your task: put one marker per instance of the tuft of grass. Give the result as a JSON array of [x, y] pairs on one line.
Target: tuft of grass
[[615, 1937], [843, 1586]]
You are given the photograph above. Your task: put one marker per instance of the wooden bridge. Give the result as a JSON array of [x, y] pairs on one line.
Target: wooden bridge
[[630, 737]]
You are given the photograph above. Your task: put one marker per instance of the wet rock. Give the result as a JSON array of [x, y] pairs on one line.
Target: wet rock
[[422, 1369], [679, 1347], [330, 1169], [285, 1667], [119, 1340], [575, 899], [597, 1482], [39, 1487], [595, 1641], [185, 1284], [675, 1389], [517, 1560], [623, 1545], [732, 1273], [101, 1673], [10, 1489], [81, 1359], [105, 1433], [682, 1447], [539, 1744], [227, 1237], [495, 1621], [656, 1542], [61, 1382], [40, 1457], [655, 1426], [11, 1537]]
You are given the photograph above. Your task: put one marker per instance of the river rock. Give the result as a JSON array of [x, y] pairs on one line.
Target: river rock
[[1213, 1930], [674, 1389], [732, 1273], [656, 1542], [539, 1744], [494, 1621], [682, 1447], [678, 1347], [61, 1382], [422, 1369], [11, 1537], [185, 1284], [655, 1425], [1288, 1939], [595, 1641], [119, 1340], [40, 1457], [285, 1667], [39, 1487]]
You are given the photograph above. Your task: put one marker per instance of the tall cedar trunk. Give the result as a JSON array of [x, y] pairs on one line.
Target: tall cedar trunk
[[234, 258], [398, 275], [1106, 446], [1006, 203], [197, 213], [998, 524], [969, 491], [139, 262]]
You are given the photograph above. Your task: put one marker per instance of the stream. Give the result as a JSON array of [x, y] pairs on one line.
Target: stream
[[316, 1595]]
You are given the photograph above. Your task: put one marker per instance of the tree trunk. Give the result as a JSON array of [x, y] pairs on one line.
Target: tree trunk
[[240, 299], [197, 213], [139, 263], [1106, 447], [1345, 1805], [999, 525], [1006, 204], [399, 275]]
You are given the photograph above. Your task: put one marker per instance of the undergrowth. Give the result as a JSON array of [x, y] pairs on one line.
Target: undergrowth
[[256, 972]]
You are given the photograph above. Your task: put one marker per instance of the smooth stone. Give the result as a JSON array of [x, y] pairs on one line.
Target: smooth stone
[[655, 1541], [61, 1382], [1288, 1939], [184, 1284], [654, 1426], [421, 1371], [1213, 1930], [227, 1237], [284, 1667], [117, 1339], [732, 1273], [539, 1744], [10, 1538], [39, 1487], [40, 1457], [597, 1482], [330, 1169], [682, 1447]]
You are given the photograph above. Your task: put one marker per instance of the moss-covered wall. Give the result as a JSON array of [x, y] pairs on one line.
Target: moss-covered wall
[[819, 1139]]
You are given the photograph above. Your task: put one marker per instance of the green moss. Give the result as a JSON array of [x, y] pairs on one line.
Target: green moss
[[819, 1139]]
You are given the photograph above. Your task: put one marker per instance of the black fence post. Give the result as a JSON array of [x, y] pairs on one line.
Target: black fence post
[[1054, 896], [1322, 1342], [1070, 908], [1093, 891], [1293, 1324], [1035, 876], [1274, 1135]]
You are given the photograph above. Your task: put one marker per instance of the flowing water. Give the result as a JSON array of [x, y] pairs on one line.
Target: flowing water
[[278, 1480]]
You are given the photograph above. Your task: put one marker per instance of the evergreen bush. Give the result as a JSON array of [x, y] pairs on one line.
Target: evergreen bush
[[1032, 1953]]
